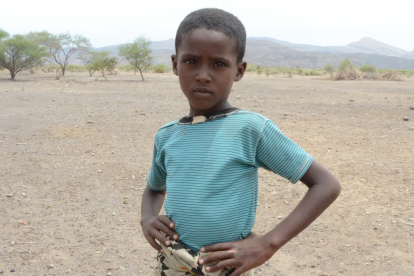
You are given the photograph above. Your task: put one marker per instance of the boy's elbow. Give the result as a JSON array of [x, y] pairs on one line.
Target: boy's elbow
[[335, 188]]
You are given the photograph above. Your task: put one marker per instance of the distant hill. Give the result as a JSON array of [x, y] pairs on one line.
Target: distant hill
[[366, 45], [273, 52], [410, 55], [371, 46]]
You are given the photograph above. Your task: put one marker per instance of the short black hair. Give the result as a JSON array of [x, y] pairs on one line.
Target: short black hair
[[215, 20]]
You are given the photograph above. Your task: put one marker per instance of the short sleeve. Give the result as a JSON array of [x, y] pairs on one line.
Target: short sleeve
[[157, 176], [279, 154]]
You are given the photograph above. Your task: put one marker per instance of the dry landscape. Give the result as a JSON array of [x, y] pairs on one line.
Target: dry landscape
[[75, 153]]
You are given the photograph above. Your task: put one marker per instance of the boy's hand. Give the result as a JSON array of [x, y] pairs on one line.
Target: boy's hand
[[244, 254], [152, 228]]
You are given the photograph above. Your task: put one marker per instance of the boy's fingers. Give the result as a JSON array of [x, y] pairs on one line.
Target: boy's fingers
[[220, 265], [217, 247], [166, 220], [168, 231], [160, 237], [154, 244], [217, 256]]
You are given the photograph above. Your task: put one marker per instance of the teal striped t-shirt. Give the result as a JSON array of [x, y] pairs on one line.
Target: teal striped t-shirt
[[210, 171]]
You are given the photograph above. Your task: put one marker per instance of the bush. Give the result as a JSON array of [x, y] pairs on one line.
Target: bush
[[346, 65], [330, 69], [250, 68], [259, 69], [392, 75], [274, 71], [367, 68], [125, 67], [299, 70], [160, 68], [75, 68], [408, 73]]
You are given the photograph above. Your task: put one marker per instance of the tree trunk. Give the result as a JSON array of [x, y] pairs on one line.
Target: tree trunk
[[63, 71], [12, 75], [141, 74]]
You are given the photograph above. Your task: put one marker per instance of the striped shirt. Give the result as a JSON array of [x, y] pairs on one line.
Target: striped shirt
[[210, 171]]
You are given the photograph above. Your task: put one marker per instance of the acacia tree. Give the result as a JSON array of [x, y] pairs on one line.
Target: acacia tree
[[61, 46], [137, 53], [102, 62], [3, 34], [18, 53], [330, 69], [87, 56]]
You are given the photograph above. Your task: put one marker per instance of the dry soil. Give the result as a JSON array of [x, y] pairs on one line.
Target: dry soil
[[75, 153]]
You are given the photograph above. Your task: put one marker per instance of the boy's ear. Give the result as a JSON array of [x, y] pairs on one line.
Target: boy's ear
[[174, 64], [241, 68]]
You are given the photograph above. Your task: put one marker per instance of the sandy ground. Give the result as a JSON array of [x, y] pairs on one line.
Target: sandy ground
[[75, 153]]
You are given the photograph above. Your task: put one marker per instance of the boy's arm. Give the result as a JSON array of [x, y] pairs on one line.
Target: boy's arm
[[152, 224], [253, 251]]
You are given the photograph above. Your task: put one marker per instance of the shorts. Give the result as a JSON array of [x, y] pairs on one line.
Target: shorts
[[178, 260]]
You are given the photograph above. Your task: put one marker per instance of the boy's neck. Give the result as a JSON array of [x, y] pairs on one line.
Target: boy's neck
[[197, 112]]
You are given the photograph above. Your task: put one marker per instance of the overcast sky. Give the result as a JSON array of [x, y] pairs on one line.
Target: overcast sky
[[317, 22]]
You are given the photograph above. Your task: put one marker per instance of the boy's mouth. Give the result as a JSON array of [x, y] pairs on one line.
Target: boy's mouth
[[202, 90]]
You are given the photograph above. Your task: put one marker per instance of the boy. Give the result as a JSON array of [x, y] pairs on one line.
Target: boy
[[208, 164]]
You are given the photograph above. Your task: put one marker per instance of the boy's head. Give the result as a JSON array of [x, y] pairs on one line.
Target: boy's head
[[210, 45], [215, 20]]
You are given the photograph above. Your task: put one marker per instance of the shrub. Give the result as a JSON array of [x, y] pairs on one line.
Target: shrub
[[75, 68], [392, 75], [367, 68], [330, 69], [125, 67], [346, 65], [250, 68], [299, 70], [160, 68], [274, 71], [259, 69]]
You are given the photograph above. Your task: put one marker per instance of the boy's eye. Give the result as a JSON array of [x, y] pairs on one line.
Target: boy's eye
[[189, 61], [220, 64]]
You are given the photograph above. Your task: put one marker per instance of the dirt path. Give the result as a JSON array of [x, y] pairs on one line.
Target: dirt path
[[75, 153]]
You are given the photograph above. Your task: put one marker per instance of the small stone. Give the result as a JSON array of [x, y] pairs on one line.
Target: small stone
[[99, 171], [126, 201], [313, 266], [109, 273], [412, 107], [406, 118], [267, 263], [280, 217], [122, 267], [411, 128], [12, 270], [133, 176], [9, 195]]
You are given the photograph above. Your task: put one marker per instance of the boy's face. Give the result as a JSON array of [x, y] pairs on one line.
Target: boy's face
[[206, 64]]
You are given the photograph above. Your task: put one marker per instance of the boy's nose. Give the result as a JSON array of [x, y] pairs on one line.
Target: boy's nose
[[203, 75]]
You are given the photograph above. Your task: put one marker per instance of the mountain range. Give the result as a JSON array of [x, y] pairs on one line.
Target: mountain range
[[272, 52]]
